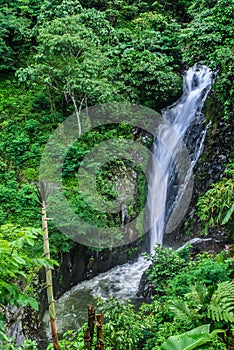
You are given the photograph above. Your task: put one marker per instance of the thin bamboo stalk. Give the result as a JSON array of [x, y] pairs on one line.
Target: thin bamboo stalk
[[91, 320], [100, 337], [87, 339], [49, 282]]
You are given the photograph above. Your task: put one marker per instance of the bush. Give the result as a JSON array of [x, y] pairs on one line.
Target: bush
[[166, 264]]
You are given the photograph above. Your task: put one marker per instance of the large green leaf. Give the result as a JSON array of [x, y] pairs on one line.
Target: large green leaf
[[228, 215], [190, 340]]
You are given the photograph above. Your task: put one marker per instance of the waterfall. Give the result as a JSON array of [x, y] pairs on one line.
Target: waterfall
[[122, 281], [185, 113]]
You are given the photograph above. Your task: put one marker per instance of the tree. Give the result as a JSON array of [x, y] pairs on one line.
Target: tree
[[70, 62], [58, 9], [209, 38], [17, 18], [83, 58]]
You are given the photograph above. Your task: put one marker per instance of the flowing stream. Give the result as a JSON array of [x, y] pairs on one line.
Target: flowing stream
[[122, 281]]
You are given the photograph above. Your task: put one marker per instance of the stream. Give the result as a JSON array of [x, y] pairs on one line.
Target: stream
[[120, 282]]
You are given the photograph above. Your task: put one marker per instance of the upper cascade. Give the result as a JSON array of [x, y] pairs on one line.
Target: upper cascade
[[180, 116]]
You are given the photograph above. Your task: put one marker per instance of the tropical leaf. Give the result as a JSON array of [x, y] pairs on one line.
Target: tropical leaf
[[228, 215], [190, 340]]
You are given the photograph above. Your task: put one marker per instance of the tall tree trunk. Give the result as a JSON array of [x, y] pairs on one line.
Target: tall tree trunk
[[49, 282], [77, 111]]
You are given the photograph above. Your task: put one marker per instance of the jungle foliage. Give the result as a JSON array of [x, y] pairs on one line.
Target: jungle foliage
[[60, 56], [199, 316], [18, 271], [76, 54]]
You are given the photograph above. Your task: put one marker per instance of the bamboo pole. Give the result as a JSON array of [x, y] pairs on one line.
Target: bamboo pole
[[49, 282], [91, 320], [100, 337], [87, 339]]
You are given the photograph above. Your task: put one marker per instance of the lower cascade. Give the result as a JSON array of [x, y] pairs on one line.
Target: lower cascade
[[122, 281]]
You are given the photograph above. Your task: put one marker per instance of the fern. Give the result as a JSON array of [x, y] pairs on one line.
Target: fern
[[202, 295], [214, 302], [216, 206], [183, 312], [221, 307]]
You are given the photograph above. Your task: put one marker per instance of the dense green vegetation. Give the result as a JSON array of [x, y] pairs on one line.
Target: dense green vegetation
[[216, 207], [19, 268], [59, 56], [190, 294], [192, 306]]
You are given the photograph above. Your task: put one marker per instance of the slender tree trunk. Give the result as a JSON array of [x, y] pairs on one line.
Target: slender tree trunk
[[49, 282], [77, 112]]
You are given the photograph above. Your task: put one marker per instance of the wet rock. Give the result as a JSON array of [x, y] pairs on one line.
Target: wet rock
[[208, 170], [209, 245], [145, 288], [13, 316]]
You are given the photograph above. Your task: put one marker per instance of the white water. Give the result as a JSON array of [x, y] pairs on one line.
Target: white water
[[122, 281], [185, 112]]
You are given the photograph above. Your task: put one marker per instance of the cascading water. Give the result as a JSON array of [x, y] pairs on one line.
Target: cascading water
[[122, 281], [182, 115]]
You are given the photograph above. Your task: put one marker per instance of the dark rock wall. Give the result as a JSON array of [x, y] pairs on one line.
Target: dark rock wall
[[83, 263]]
